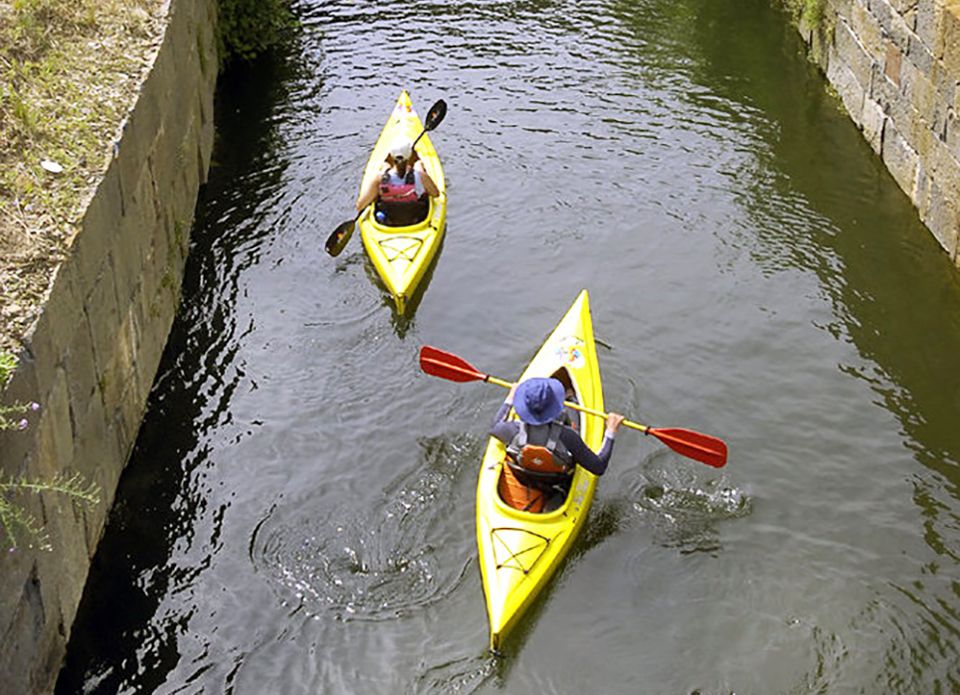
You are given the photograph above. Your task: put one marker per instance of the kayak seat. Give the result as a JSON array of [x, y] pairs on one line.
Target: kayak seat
[[517, 495]]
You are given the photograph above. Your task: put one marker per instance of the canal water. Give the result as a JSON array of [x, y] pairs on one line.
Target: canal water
[[297, 516]]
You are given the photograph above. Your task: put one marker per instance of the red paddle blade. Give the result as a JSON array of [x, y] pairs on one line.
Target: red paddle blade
[[696, 445], [447, 366]]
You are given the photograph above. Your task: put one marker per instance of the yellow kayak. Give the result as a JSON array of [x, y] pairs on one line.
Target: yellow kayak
[[401, 255], [520, 550]]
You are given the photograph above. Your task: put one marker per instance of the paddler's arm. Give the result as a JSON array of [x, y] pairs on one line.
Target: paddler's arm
[[583, 455], [501, 428], [369, 193], [428, 185]]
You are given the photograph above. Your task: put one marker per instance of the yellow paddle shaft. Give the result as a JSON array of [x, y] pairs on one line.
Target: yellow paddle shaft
[[570, 404]]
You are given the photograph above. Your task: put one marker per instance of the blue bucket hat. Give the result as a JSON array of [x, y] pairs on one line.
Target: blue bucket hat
[[539, 400]]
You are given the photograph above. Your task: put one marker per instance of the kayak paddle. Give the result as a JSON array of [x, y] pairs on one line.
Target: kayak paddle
[[341, 235], [694, 445]]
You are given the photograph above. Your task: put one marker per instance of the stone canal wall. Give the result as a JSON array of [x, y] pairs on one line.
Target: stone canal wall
[[896, 66], [91, 357]]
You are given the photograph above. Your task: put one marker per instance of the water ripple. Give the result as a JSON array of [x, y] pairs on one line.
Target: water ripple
[[372, 564], [685, 512]]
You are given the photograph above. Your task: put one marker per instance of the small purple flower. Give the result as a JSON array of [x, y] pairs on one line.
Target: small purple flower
[[34, 406], [23, 424]]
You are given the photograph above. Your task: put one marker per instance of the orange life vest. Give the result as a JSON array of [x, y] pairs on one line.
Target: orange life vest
[[547, 462]]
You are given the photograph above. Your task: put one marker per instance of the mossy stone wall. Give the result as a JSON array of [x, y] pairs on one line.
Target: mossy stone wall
[[91, 357], [896, 67]]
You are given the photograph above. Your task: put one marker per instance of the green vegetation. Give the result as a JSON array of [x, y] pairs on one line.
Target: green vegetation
[[250, 27], [809, 11], [69, 71], [16, 521], [8, 363]]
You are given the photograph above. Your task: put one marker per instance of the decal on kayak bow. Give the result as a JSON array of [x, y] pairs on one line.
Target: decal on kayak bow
[[570, 352]]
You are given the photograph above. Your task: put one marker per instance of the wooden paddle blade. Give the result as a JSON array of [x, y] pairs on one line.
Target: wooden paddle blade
[[445, 365], [435, 115], [696, 445], [341, 235]]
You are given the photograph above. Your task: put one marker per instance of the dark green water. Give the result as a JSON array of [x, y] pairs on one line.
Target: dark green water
[[298, 513]]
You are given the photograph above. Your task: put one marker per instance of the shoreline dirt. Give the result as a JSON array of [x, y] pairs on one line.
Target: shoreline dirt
[[70, 72]]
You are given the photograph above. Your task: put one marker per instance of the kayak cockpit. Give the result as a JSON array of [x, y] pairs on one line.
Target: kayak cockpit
[[547, 496]]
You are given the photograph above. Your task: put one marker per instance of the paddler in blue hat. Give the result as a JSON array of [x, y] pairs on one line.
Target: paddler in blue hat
[[542, 447]]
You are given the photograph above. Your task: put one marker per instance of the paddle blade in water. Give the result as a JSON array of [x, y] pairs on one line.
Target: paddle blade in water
[[341, 235], [696, 445], [447, 366]]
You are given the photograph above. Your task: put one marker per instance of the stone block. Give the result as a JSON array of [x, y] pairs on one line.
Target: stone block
[[141, 129], [892, 63], [919, 55], [134, 236], [944, 168], [866, 28], [929, 19], [847, 86], [23, 632], [103, 314], [852, 52], [900, 32], [872, 120], [49, 337], [97, 459], [92, 243], [900, 158], [903, 6], [80, 366], [118, 375], [922, 199], [55, 439], [64, 572], [38, 353], [883, 13], [943, 219], [157, 314], [950, 37], [951, 131], [919, 91]]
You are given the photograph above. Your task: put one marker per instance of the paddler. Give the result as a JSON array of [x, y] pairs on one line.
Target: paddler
[[401, 189], [542, 447]]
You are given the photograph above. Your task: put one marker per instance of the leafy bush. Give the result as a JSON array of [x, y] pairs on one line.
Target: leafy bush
[[250, 27]]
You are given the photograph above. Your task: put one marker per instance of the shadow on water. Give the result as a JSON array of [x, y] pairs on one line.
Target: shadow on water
[[159, 498]]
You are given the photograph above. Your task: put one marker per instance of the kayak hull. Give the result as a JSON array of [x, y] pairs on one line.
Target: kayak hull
[[519, 551], [401, 255]]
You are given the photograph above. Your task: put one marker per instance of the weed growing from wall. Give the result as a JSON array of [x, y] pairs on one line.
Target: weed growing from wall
[[17, 523]]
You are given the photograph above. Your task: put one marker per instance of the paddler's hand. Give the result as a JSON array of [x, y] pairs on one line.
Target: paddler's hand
[[614, 420]]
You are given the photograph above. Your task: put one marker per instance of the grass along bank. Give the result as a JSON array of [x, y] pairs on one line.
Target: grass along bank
[[70, 71]]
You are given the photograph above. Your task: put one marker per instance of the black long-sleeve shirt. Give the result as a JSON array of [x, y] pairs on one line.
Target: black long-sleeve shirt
[[505, 430]]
